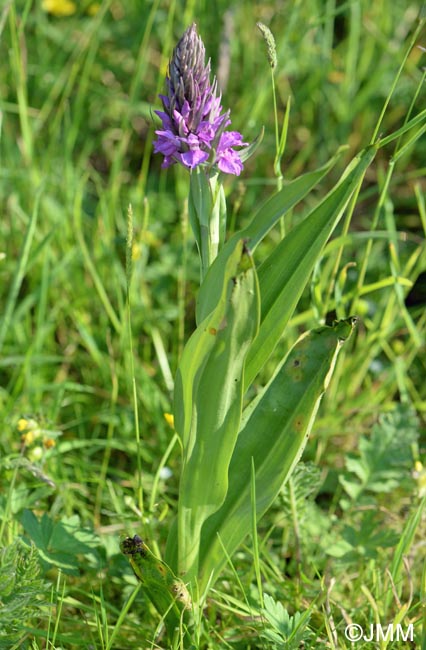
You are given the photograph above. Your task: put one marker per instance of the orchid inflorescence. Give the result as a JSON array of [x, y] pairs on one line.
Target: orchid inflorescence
[[193, 121]]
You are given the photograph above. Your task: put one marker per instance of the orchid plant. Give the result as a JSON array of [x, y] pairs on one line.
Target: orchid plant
[[194, 134], [236, 452]]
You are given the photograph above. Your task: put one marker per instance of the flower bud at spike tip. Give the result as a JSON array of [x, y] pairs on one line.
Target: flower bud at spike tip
[[271, 49], [193, 122]]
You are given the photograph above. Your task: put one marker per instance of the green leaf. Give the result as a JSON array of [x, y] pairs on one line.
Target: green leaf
[[248, 151], [208, 401], [58, 543], [305, 483], [197, 351], [274, 430], [69, 536], [168, 594], [261, 223], [24, 596], [39, 531], [287, 630], [207, 215], [199, 202], [285, 273], [405, 546], [362, 541], [384, 457]]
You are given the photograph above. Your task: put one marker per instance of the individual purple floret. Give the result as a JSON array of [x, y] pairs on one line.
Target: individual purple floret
[[193, 124]]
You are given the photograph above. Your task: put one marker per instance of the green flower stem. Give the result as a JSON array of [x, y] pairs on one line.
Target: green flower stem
[[207, 214]]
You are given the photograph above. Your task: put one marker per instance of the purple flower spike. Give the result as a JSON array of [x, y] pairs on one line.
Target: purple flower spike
[[193, 121]]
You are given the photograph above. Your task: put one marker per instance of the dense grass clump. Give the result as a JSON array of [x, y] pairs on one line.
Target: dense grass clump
[[89, 342]]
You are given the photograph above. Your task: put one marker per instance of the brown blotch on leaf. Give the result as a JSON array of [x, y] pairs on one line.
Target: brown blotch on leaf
[[162, 569], [299, 423]]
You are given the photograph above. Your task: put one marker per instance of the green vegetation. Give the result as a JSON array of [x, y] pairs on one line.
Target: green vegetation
[[87, 452]]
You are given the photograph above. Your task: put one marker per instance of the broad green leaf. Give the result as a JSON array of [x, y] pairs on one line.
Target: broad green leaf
[[284, 274], [274, 430], [262, 221], [40, 532], [208, 402], [197, 351]]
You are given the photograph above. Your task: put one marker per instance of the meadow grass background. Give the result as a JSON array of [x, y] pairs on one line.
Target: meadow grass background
[[84, 384]]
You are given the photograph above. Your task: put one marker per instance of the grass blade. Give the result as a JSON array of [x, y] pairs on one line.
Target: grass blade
[[20, 271]]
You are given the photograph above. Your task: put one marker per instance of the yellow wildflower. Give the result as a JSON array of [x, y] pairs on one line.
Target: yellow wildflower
[[59, 7], [169, 419], [22, 424], [28, 438], [30, 430], [136, 251], [93, 9], [420, 476]]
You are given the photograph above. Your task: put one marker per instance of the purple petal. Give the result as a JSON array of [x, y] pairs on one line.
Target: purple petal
[[165, 100], [229, 162], [166, 143], [206, 133], [186, 109], [193, 157], [180, 124], [230, 139], [165, 119]]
